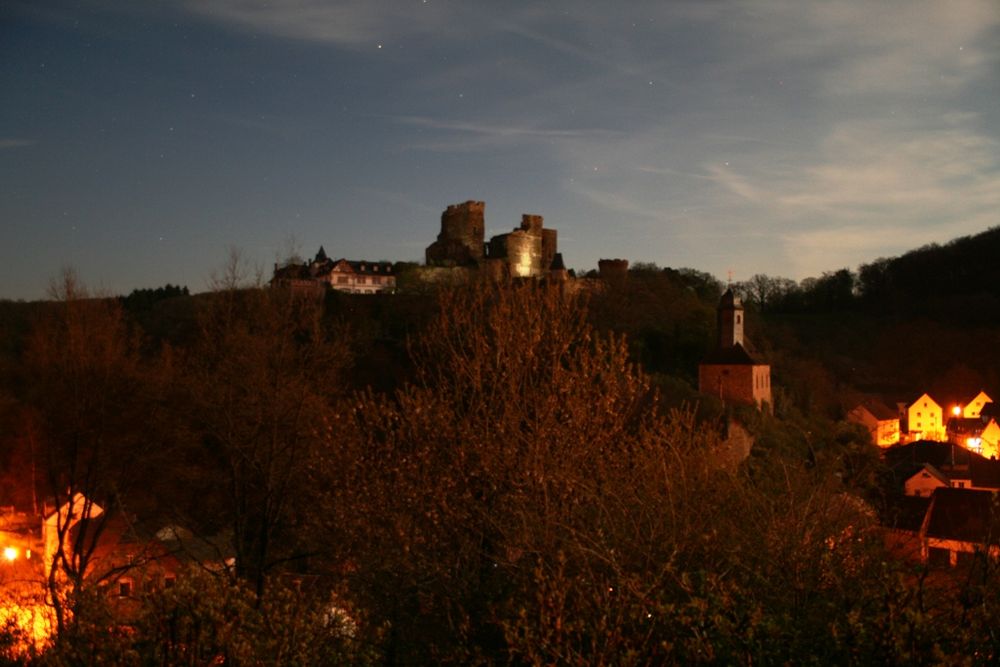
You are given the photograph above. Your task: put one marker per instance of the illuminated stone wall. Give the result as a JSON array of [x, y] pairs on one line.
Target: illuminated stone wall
[[523, 249], [526, 252]]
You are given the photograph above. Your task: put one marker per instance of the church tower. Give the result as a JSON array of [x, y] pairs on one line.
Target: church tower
[[730, 318], [731, 371]]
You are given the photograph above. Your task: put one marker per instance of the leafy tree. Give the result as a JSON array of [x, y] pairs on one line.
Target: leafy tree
[[462, 479]]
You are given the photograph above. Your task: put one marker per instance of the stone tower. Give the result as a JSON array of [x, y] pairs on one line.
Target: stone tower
[[460, 242]]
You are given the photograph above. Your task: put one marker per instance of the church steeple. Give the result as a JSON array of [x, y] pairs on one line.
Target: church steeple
[[730, 314]]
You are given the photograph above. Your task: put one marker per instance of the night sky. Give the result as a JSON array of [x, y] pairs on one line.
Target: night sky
[[140, 140]]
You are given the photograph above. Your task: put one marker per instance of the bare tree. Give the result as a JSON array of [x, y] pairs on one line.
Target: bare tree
[[260, 384], [87, 391]]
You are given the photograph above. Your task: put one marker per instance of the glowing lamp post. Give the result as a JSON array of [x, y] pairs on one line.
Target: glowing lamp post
[[957, 410], [10, 554]]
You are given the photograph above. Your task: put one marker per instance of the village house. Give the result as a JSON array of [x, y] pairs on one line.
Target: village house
[[958, 524], [946, 528], [974, 408], [123, 558], [322, 273], [976, 434], [925, 481], [881, 421], [924, 419], [920, 467]]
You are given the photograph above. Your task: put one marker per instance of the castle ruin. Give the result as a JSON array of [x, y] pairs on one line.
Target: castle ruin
[[529, 251]]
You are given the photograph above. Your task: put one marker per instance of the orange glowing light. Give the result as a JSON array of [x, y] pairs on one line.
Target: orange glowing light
[[957, 410], [10, 553], [33, 623]]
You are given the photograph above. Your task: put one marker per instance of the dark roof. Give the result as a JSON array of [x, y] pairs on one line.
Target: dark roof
[[557, 263], [907, 512], [365, 267], [935, 473], [878, 409], [938, 454], [321, 255], [961, 514], [985, 473], [972, 426], [292, 272], [990, 411], [730, 300], [733, 355]]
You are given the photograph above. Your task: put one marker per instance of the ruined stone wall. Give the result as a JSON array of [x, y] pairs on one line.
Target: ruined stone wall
[[550, 238], [460, 241], [528, 251], [524, 254], [532, 223], [613, 269]]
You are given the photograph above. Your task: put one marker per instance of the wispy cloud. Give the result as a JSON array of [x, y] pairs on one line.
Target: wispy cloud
[[913, 47], [15, 143], [347, 23], [826, 131], [466, 136]]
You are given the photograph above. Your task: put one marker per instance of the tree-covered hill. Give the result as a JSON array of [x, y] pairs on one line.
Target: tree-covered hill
[[928, 320]]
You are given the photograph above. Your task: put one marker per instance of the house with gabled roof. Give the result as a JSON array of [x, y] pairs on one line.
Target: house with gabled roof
[[344, 275], [973, 409], [976, 434], [925, 480], [881, 421], [958, 524], [925, 419]]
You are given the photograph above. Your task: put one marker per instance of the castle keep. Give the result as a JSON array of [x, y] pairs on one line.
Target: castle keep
[[529, 251]]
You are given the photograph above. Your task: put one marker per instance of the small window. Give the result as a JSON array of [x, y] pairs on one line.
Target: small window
[[124, 588]]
